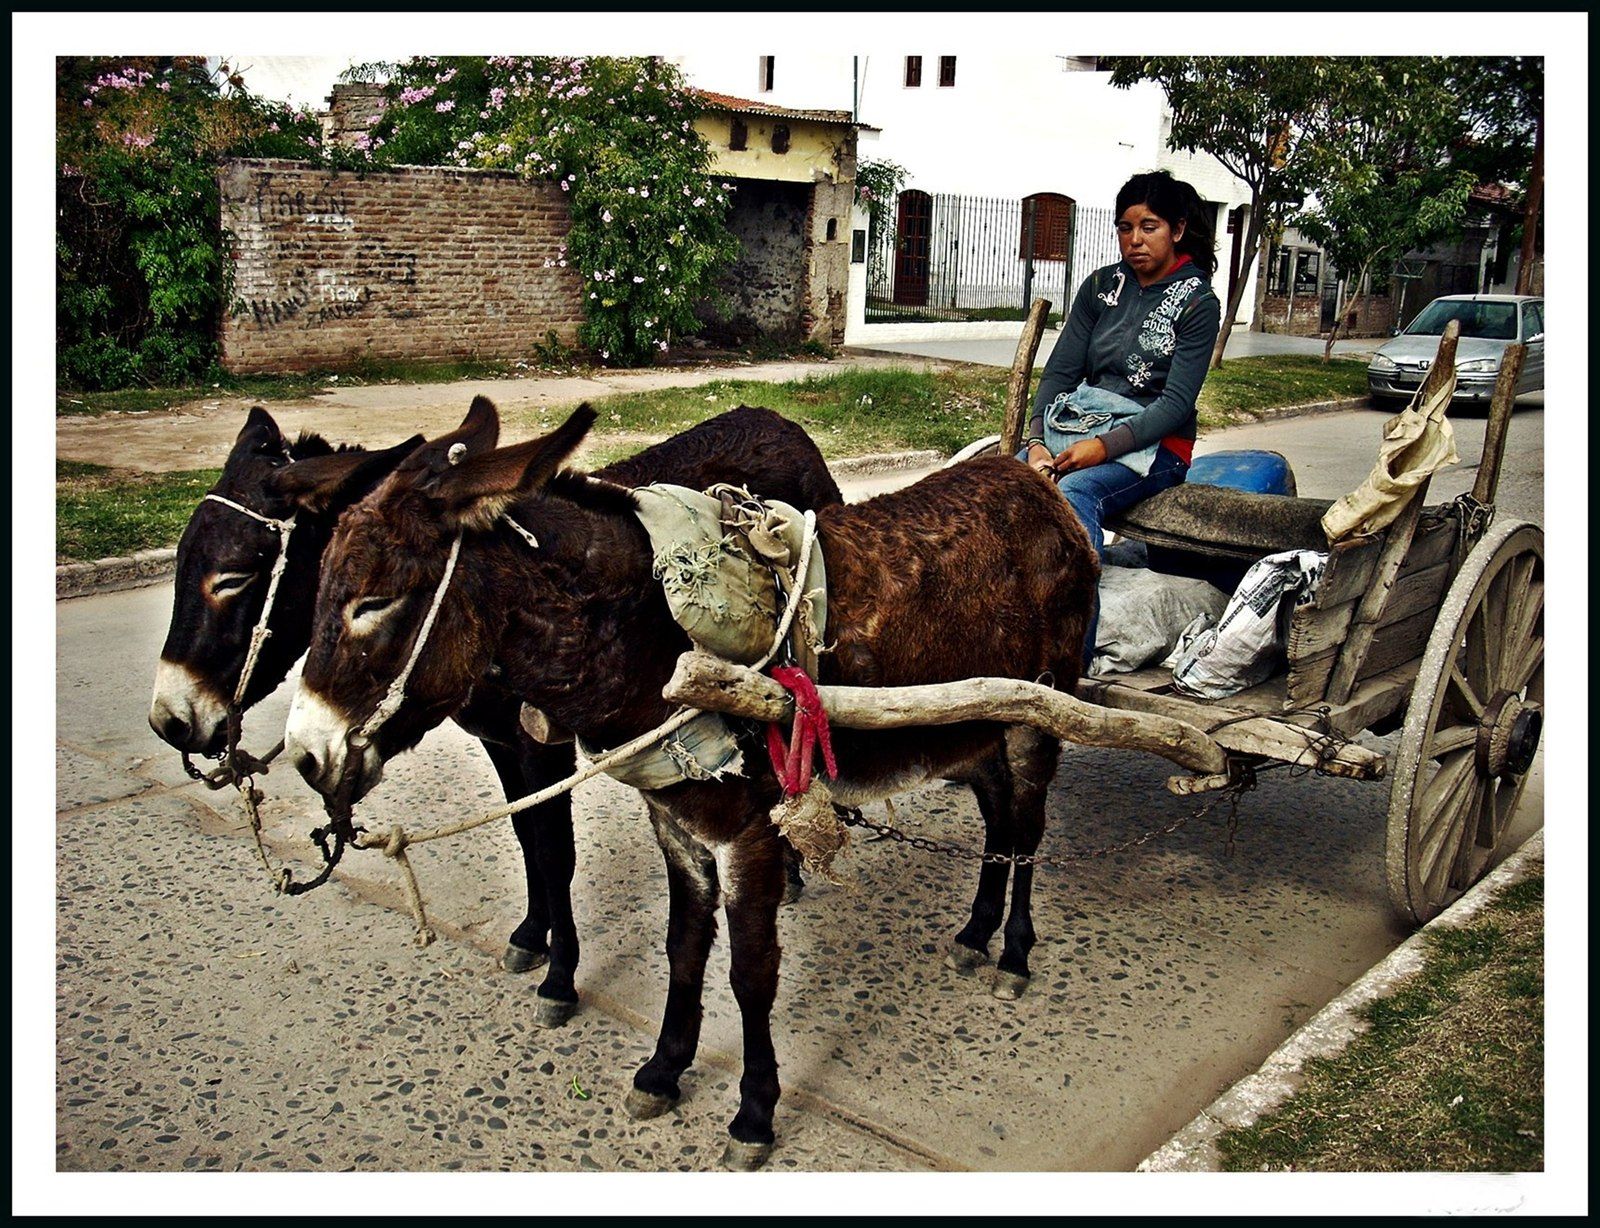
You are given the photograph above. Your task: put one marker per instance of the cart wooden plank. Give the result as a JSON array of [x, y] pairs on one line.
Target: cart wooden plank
[[1236, 727]]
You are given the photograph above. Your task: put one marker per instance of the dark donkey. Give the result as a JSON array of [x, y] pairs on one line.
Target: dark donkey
[[977, 570], [224, 565]]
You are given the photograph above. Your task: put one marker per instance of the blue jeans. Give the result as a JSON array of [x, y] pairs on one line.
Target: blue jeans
[[1105, 490]]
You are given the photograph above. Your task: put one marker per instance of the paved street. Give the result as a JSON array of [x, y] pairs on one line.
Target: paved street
[[202, 1023]]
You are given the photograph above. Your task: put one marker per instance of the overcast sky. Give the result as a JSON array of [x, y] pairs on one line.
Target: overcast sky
[[305, 80]]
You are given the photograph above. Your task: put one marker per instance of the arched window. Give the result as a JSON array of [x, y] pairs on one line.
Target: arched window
[[1052, 226]]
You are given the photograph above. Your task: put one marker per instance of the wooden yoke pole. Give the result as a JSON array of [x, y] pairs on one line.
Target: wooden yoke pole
[[1016, 418]]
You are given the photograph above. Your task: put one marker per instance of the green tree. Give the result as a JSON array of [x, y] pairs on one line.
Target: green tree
[[617, 134], [1503, 99], [1255, 115], [1382, 169], [140, 273]]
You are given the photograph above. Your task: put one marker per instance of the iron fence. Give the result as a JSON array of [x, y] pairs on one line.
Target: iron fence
[[949, 257]]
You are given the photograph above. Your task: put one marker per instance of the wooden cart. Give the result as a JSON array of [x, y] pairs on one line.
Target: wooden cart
[[1433, 626]]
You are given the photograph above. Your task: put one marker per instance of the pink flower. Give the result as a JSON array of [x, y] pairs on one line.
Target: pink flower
[[449, 104]]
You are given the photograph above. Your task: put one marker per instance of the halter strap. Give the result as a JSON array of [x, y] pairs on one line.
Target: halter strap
[[396, 694], [261, 632], [390, 704]]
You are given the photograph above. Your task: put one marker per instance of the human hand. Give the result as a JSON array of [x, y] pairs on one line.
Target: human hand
[[1085, 454], [1040, 459]]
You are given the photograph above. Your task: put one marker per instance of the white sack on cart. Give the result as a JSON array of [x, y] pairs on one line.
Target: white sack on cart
[[1247, 644], [1142, 613]]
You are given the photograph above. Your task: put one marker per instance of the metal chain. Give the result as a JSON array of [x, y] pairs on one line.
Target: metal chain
[[852, 817]]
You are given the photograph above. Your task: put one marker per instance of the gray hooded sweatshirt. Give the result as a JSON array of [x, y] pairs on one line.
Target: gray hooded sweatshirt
[[1151, 344]]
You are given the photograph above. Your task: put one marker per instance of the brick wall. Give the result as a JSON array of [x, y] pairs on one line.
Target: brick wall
[[1374, 318], [418, 263]]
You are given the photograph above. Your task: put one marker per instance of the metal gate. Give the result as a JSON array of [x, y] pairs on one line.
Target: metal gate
[[952, 257]]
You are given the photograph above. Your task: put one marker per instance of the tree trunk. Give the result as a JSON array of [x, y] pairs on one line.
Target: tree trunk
[[1530, 213], [1338, 319], [1252, 245], [1258, 318]]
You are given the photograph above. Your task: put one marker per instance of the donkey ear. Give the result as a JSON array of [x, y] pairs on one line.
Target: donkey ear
[[259, 436], [477, 435], [321, 482], [478, 489]]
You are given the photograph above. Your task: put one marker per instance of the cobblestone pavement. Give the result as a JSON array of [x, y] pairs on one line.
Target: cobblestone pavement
[[203, 1023]]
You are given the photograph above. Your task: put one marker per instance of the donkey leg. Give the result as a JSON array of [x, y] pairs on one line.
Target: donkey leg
[[992, 785], [556, 859], [691, 925], [1032, 758], [528, 947], [752, 874]]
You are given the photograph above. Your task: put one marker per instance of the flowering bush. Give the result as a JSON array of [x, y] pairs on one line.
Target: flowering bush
[[139, 252], [617, 135]]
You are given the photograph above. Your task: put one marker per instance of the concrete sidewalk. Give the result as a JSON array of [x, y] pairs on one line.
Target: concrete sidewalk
[[1001, 351]]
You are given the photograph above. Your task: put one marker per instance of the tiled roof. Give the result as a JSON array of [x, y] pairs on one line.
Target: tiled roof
[[748, 106]]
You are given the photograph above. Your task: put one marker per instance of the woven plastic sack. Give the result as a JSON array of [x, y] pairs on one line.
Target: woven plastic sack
[[1142, 613], [1247, 644], [1417, 442]]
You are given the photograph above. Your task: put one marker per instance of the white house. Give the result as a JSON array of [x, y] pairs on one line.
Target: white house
[[978, 134]]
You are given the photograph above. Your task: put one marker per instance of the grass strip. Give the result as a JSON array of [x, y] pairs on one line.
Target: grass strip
[[1450, 1078], [103, 512], [106, 513]]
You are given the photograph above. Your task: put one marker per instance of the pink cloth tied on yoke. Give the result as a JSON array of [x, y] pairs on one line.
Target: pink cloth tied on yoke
[[792, 764]]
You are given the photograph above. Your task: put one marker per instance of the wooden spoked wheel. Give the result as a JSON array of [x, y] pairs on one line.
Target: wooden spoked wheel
[[1472, 726]]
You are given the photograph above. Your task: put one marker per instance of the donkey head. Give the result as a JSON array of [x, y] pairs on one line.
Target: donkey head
[[224, 566], [379, 675]]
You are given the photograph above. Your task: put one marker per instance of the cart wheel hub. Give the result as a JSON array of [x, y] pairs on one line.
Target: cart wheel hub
[[1508, 735]]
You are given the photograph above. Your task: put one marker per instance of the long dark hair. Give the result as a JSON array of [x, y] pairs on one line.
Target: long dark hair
[[1174, 201]]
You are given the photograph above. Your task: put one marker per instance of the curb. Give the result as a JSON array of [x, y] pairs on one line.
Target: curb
[[1193, 1149], [109, 575], [1310, 407], [885, 462]]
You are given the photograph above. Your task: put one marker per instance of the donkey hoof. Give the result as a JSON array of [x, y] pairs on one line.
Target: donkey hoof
[[642, 1105], [745, 1157], [964, 959], [1009, 986], [552, 1012], [520, 959]]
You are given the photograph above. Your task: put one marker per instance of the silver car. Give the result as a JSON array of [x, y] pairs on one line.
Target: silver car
[[1489, 322]]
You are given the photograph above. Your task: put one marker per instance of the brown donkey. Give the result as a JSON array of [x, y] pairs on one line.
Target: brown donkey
[[978, 570], [226, 559]]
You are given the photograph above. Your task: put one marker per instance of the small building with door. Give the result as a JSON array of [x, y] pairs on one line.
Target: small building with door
[[793, 175]]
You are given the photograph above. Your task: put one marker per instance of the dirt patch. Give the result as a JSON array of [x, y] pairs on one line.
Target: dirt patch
[[199, 434]]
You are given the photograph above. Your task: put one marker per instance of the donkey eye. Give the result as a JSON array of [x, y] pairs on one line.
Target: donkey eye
[[364, 613], [231, 583]]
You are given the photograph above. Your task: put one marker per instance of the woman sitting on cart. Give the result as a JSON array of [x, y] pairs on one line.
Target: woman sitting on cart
[[1114, 418]]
